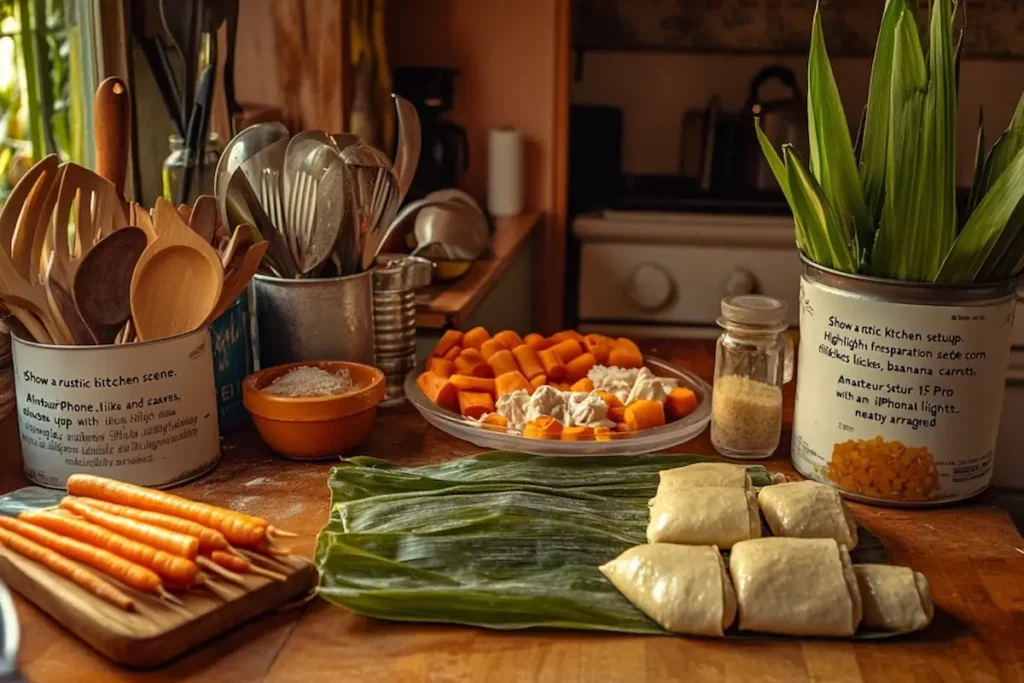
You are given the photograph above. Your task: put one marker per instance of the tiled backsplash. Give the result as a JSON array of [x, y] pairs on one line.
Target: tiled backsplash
[[993, 28]]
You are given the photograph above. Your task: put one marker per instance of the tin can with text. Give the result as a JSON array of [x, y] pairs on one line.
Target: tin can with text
[[900, 385]]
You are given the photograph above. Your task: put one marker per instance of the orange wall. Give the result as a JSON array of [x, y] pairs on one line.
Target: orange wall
[[506, 53]]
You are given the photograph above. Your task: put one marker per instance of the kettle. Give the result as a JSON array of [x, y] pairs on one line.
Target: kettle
[[782, 120]]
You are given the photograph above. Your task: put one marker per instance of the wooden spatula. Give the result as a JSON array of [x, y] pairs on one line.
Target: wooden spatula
[[237, 278], [178, 280], [22, 209], [204, 217], [103, 283]]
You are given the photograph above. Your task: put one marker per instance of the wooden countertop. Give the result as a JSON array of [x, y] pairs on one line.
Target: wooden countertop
[[971, 554], [449, 303]]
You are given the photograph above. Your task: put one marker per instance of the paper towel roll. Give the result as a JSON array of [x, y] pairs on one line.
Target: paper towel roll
[[505, 172]]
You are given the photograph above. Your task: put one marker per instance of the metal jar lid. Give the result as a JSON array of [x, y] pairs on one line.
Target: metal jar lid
[[754, 310]]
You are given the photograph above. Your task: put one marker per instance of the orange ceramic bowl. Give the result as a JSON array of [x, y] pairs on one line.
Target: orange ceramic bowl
[[314, 427]]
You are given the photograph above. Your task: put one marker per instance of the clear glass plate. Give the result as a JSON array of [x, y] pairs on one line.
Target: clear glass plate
[[626, 443]]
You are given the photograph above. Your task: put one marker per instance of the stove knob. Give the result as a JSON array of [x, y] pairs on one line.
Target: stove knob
[[739, 281], [650, 287]]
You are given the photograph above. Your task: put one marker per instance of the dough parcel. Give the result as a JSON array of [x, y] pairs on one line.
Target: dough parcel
[[704, 474], [894, 598], [686, 589], [808, 509], [710, 515], [795, 586]]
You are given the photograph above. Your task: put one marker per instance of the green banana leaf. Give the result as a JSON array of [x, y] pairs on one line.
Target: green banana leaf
[[502, 540]]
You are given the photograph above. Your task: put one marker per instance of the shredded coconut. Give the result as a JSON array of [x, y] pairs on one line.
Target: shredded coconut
[[308, 380]]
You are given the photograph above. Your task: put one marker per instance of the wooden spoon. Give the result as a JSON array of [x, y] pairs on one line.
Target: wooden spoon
[[98, 213], [21, 211], [204, 217], [177, 281], [139, 217], [112, 127], [103, 283], [237, 278], [234, 252]]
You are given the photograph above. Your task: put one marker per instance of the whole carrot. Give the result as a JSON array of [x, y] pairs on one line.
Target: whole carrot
[[171, 567], [243, 566], [139, 578], [240, 529], [209, 539], [158, 537], [64, 567]]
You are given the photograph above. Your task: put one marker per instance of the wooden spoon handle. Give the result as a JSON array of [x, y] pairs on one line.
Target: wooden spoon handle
[[112, 128]]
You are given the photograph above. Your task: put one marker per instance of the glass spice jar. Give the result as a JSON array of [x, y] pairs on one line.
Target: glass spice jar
[[202, 174], [753, 359]]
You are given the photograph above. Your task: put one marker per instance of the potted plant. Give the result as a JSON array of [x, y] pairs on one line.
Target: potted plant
[[906, 304]]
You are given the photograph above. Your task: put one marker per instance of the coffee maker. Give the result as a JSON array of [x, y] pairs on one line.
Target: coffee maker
[[444, 153]]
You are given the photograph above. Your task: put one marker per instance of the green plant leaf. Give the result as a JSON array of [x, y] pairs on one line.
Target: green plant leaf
[[1011, 263], [989, 225], [876, 115], [832, 160], [1005, 149], [979, 165], [778, 168], [825, 234]]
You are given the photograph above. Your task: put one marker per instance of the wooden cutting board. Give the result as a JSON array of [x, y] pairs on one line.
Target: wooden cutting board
[[156, 632]]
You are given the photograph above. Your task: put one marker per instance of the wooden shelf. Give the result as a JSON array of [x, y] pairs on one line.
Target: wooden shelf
[[449, 303]]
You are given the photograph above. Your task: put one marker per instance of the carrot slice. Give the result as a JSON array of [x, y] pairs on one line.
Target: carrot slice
[[586, 384], [578, 434], [544, 427], [617, 414], [157, 537], [644, 414], [567, 349], [609, 398], [553, 366], [453, 353], [495, 420], [508, 382], [539, 381], [449, 339], [602, 434], [239, 528], [129, 573], [509, 339], [171, 567], [209, 539], [529, 362], [62, 566], [439, 390], [579, 366], [681, 402], [598, 346], [471, 362], [625, 354], [503, 361], [440, 366], [475, 404], [475, 338], [490, 347], [536, 342], [558, 337], [469, 383]]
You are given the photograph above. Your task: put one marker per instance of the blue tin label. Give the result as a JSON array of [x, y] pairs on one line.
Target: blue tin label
[[232, 362]]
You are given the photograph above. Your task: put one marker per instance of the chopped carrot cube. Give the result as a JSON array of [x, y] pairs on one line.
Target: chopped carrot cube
[[439, 390], [586, 384], [611, 399], [503, 361], [681, 402], [475, 404], [495, 420], [645, 414], [598, 346], [448, 340], [539, 381], [578, 434], [470, 383], [565, 334], [553, 366], [471, 362], [490, 347], [440, 366], [617, 414], [567, 349], [475, 338], [509, 339], [453, 353], [512, 381], [602, 434], [529, 362], [579, 366], [625, 354], [536, 341]]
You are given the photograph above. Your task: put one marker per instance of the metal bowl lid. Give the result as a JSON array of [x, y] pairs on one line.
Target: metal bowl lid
[[753, 309]]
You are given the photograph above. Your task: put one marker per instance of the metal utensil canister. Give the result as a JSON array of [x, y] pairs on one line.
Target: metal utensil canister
[[395, 282], [321, 319]]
